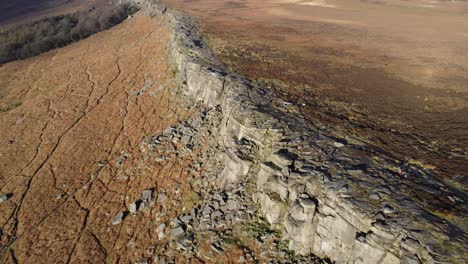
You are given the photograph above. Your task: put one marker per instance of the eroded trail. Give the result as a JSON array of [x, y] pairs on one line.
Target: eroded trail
[[72, 123]]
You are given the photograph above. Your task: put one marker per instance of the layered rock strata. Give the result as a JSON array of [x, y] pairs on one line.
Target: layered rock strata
[[328, 194]]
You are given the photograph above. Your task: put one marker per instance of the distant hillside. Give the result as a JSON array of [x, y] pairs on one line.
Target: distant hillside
[[31, 39], [11, 9]]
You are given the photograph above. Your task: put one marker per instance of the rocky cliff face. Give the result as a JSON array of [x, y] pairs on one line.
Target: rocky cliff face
[[327, 194]]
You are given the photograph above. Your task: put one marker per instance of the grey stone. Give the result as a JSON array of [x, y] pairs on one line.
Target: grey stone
[[374, 196], [147, 195], [167, 131], [175, 222], [197, 122], [308, 203], [133, 208], [298, 164], [188, 149], [343, 189], [186, 241], [160, 231], [178, 231], [3, 198], [216, 214], [164, 138], [118, 218], [141, 205], [410, 260], [411, 244], [388, 209], [220, 223], [232, 205], [161, 197], [361, 238], [186, 139], [338, 144], [380, 216], [203, 226], [120, 160], [217, 248], [186, 218], [180, 246], [169, 253], [207, 211], [157, 90], [193, 213], [160, 158], [160, 260]]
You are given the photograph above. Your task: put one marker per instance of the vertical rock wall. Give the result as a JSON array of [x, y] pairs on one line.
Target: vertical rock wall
[[310, 183]]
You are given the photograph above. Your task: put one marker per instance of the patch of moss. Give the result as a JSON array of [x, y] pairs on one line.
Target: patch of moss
[[239, 241], [175, 72], [190, 200]]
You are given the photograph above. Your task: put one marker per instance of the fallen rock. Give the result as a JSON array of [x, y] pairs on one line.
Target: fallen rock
[[207, 211], [4, 197], [160, 159], [338, 144], [137, 206], [133, 208], [388, 209], [186, 219], [161, 198], [374, 196], [176, 232], [175, 222], [216, 214], [160, 231], [147, 195], [119, 218], [361, 238]]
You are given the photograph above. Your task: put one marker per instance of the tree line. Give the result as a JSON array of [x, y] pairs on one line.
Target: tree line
[[31, 39]]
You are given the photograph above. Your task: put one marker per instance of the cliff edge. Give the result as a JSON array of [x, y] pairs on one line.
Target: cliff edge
[[327, 194]]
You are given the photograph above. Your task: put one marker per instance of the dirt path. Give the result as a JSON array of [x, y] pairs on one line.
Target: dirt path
[[72, 122]]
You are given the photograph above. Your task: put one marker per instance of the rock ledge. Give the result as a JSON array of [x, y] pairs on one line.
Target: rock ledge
[[327, 194]]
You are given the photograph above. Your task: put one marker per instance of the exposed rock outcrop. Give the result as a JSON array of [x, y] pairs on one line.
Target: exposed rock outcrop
[[328, 194]]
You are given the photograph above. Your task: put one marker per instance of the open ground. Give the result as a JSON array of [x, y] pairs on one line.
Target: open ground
[[391, 72]]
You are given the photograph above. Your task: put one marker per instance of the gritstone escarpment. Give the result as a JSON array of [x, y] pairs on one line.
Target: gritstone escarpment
[[331, 196], [206, 160]]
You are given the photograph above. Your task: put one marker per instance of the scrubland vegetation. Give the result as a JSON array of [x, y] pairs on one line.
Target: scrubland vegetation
[[27, 40]]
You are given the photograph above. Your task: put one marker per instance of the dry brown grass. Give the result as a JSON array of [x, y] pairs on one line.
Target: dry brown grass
[[80, 113]]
